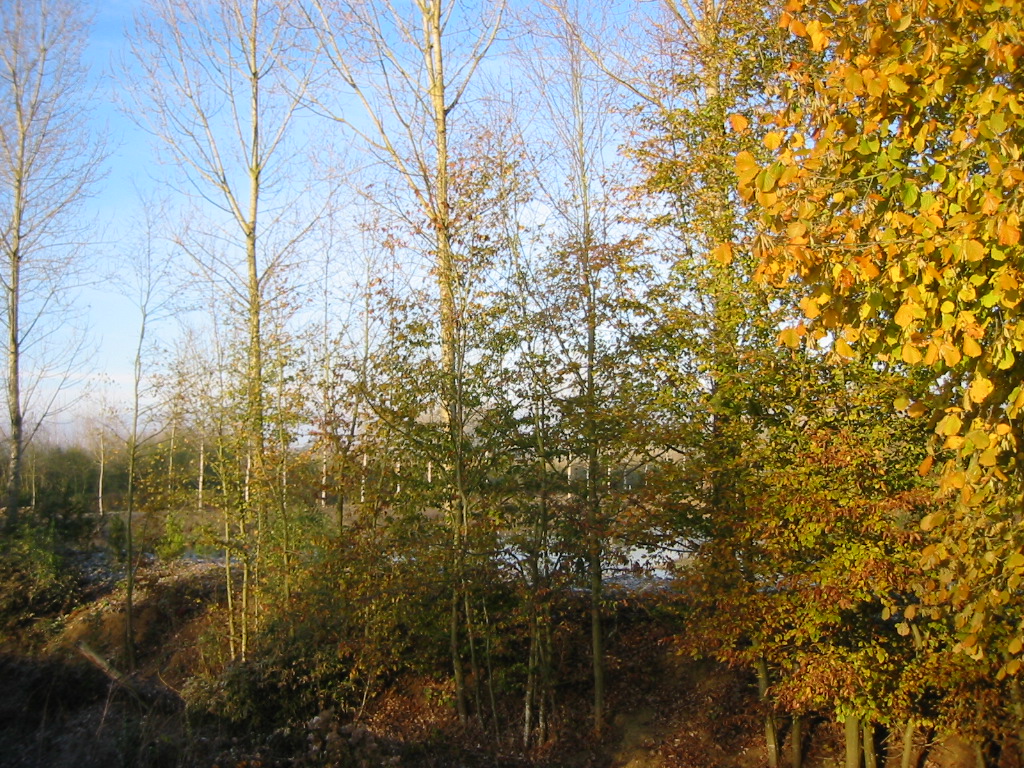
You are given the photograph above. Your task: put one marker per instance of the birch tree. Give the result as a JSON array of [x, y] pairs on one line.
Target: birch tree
[[49, 162]]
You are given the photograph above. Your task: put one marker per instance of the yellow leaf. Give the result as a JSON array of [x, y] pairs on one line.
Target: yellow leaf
[[950, 425], [773, 140], [818, 37], [790, 337], [897, 85], [868, 270], [905, 315], [911, 355], [978, 437], [1015, 646], [974, 251], [738, 123], [810, 307], [746, 167], [971, 347], [843, 349], [723, 253], [1008, 234], [980, 389], [917, 410]]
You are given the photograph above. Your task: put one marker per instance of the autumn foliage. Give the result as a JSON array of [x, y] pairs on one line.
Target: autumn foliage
[[891, 198]]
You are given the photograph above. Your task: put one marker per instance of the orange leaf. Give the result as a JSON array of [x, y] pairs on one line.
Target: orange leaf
[[738, 123], [974, 251], [1008, 234]]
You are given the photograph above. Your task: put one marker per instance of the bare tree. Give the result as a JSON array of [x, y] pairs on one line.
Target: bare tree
[[220, 86], [147, 286], [49, 161]]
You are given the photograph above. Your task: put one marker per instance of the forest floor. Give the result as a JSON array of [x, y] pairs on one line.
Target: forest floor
[[64, 703]]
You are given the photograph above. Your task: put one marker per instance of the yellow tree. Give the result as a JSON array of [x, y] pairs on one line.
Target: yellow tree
[[893, 197]]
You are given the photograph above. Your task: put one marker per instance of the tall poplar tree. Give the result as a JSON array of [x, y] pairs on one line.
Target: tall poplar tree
[[219, 87]]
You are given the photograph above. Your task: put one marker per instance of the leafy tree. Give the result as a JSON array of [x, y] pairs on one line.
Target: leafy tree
[[409, 66], [891, 199], [805, 577], [710, 357]]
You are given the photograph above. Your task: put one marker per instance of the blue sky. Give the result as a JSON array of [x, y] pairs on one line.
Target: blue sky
[[112, 318], [132, 168]]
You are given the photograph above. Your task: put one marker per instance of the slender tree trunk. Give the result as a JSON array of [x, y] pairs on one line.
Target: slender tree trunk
[[256, 469], [170, 453], [229, 585], [12, 495], [907, 755], [33, 483], [796, 743], [202, 477], [852, 731], [447, 279], [282, 445], [588, 281], [870, 757], [771, 727], [133, 451], [129, 546], [99, 482]]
